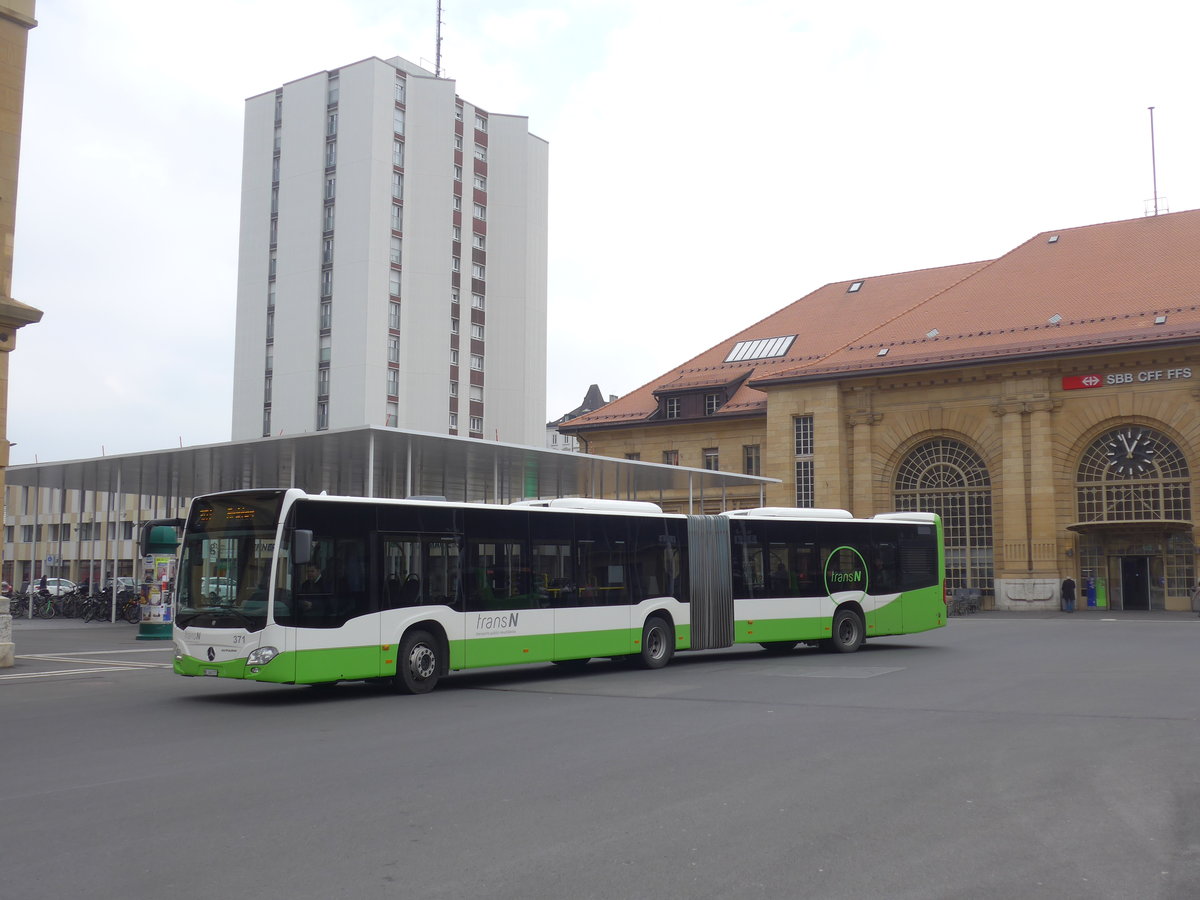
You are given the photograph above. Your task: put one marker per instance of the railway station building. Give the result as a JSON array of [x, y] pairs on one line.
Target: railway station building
[[1044, 403]]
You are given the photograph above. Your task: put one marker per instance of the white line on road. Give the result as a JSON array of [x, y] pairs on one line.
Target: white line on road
[[70, 657], [835, 672], [70, 672]]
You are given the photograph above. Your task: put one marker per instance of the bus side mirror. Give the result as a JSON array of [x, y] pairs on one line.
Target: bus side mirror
[[302, 541]]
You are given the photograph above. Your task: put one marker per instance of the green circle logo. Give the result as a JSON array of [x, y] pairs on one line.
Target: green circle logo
[[846, 572]]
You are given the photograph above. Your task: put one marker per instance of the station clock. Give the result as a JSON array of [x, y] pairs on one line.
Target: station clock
[[1131, 452]]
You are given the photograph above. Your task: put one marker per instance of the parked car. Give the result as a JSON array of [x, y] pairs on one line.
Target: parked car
[[124, 583], [55, 586]]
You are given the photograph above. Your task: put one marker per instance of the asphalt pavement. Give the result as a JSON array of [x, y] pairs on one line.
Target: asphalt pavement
[[1045, 755]]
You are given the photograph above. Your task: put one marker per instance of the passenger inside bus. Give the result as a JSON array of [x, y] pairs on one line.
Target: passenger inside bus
[[780, 581], [313, 580], [314, 583], [410, 592]]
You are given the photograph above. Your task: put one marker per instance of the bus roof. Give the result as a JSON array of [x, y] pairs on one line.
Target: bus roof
[[641, 506], [791, 512]]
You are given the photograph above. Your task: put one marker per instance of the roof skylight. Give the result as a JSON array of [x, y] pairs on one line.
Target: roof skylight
[[1054, 319], [854, 288], [762, 348]]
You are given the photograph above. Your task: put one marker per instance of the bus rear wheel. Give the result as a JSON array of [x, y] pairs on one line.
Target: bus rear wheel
[[847, 632], [658, 644], [417, 664]]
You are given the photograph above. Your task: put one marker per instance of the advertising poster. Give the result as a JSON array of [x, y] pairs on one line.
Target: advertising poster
[[157, 610]]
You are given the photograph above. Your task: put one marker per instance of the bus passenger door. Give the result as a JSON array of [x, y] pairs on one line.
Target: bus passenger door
[[506, 618], [334, 610], [885, 605], [595, 617]]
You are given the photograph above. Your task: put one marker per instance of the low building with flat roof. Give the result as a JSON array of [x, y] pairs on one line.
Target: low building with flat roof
[[80, 519]]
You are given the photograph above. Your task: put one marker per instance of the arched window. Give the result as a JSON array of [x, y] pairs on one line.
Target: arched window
[[1133, 473], [947, 477]]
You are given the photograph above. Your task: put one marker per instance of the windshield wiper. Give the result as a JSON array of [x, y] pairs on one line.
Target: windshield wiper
[[225, 610]]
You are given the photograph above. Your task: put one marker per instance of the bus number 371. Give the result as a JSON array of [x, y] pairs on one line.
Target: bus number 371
[[286, 587]]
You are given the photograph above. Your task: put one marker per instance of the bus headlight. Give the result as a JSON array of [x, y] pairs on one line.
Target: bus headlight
[[261, 656]]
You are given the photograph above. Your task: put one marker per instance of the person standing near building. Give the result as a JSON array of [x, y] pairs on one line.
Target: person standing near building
[[1068, 594]]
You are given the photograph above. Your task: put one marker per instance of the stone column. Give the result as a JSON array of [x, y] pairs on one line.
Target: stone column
[[1015, 537], [863, 490], [16, 18], [1028, 578], [1042, 531]]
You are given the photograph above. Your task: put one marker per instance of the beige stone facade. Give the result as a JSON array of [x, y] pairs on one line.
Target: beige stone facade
[[686, 445], [83, 536], [1032, 437], [1043, 403]]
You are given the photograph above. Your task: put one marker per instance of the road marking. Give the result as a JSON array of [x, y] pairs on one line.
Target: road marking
[[72, 657], [89, 665], [111, 668], [839, 672]]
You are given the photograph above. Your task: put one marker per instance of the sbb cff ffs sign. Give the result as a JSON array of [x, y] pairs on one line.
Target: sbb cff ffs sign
[[1076, 382]]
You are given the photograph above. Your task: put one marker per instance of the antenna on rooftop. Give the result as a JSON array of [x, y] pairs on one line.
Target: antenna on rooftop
[[1153, 169], [437, 65]]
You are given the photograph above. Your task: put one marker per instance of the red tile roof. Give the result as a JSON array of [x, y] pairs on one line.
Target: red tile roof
[[1107, 283]]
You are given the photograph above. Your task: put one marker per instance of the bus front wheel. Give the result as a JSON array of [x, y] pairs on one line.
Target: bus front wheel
[[847, 632], [658, 644], [417, 664]]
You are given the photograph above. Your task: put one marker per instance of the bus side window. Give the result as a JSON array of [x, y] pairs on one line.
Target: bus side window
[[781, 581], [401, 572], [553, 580], [440, 573], [884, 569], [497, 576]]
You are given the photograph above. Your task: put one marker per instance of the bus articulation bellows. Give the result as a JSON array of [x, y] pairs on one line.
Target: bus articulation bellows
[[287, 587]]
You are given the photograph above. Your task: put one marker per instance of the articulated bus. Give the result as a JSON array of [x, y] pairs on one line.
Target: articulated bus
[[287, 587]]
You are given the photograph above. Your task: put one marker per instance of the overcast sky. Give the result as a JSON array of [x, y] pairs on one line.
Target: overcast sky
[[709, 164]]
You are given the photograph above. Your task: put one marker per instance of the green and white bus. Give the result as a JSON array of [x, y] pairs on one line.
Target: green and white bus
[[288, 587]]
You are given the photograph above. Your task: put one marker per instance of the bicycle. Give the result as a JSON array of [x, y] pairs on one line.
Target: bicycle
[[43, 605], [97, 608], [130, 606], [70, 603], [18, 606]]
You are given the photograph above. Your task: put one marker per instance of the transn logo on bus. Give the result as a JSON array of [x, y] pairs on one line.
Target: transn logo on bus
[[496, 623], [845, 570]]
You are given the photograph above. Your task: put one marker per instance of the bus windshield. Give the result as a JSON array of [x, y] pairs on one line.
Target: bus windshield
[[225, 564]]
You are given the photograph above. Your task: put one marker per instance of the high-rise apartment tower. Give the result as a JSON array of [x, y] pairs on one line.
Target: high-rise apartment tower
[[392, 262]]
